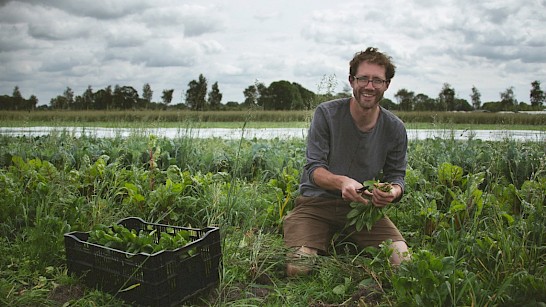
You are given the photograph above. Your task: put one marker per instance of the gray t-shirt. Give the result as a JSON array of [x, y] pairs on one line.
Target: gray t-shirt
[[335, 143]]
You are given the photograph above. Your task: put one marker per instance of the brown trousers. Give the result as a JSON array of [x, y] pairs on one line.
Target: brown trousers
[[314, 221]]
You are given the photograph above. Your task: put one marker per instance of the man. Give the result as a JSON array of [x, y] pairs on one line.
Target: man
[[350, 140]]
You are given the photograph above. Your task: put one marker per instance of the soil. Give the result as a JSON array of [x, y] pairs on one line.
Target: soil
[[66, 293]]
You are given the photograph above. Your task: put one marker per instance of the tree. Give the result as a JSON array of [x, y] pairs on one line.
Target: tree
[[283, 96], [251, 95], [446, 97], [88, 101], [103, 98], [125, 97], [233, 105], [508, 100], [422, 102], [6, 102], [18, 99], [57, 103], [307, 97], [215, 97], [461, 105], [385, 103], [492, 106], [116, 97], [405, 99], [196, 93], [63, 102], [536, 96], [167, 96], [69, 95], [32, 102], [476, 98], [263, 94], [147, 93]]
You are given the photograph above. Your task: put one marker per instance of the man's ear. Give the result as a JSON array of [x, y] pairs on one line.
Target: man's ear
[[351, 79], [387, 84]]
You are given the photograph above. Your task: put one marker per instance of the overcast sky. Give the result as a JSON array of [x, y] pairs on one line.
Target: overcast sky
[[46, 46]]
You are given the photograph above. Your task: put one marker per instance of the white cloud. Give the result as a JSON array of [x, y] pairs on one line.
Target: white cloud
[[187, 20], [14, 38], [123, 33], [99, 9]]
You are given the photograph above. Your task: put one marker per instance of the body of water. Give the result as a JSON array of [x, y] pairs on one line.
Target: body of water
[[266, 133]]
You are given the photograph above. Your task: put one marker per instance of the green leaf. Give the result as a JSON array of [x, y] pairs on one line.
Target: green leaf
[[367, 282], [359, 224], [510, 219], [339, 289], [353, 213], [457, 206], [131, 287], [369, 184]]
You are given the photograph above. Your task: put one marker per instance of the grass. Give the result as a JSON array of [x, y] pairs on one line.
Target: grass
[[259, 119], [229, 125]]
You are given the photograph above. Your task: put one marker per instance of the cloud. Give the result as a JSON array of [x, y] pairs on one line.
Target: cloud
[[18, 70], [98, 9], [123, 33], [189, 20], [14, 38], [44, 23], [58, 29]]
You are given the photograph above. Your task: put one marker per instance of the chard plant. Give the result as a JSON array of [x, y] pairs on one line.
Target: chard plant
[[366, 215]]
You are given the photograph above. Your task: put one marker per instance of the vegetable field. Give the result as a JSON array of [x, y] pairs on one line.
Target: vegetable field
[[473, 215]]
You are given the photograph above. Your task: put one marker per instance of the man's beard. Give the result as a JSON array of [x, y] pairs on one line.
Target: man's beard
[[367, 105]]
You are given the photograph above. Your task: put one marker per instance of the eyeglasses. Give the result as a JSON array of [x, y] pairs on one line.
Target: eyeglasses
[[376, 82]]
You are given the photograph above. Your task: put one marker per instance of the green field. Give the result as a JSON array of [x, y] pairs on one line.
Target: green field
[[473, 216], [260, 119]]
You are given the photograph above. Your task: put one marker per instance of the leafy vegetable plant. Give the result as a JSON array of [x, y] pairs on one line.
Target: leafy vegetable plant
[[121, 238], [363, 215]]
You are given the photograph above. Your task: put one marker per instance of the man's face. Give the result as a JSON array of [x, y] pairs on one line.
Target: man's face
[[366, 94]]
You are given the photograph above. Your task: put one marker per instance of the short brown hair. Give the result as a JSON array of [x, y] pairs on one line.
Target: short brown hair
[[372, 55]]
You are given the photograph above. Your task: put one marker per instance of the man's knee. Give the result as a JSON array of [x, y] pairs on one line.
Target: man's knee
[[400, 252]]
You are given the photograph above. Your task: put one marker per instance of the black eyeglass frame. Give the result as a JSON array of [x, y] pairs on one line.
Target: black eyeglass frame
[[376, 82]]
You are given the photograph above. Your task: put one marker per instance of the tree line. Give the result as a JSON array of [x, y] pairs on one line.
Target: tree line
[[279, 95], [447, 100]]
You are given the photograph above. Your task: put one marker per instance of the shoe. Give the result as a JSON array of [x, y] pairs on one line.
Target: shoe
[[301, 262]]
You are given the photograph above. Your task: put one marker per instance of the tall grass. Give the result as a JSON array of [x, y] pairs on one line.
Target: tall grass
[[162, 117], [473, 118]]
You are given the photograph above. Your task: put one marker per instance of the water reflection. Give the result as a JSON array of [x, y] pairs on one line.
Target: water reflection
[[266, 133]]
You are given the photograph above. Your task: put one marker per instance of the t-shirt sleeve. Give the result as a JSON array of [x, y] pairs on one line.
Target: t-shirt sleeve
[[318, 144]]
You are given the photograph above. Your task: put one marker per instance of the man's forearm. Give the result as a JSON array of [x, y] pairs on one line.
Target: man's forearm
[[326, 180]]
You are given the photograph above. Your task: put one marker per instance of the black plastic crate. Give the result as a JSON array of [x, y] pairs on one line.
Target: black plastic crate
[[165, 278]]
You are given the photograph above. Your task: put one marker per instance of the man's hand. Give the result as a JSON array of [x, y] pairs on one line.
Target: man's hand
[[381, 197], [348, 186], [350, 191]]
